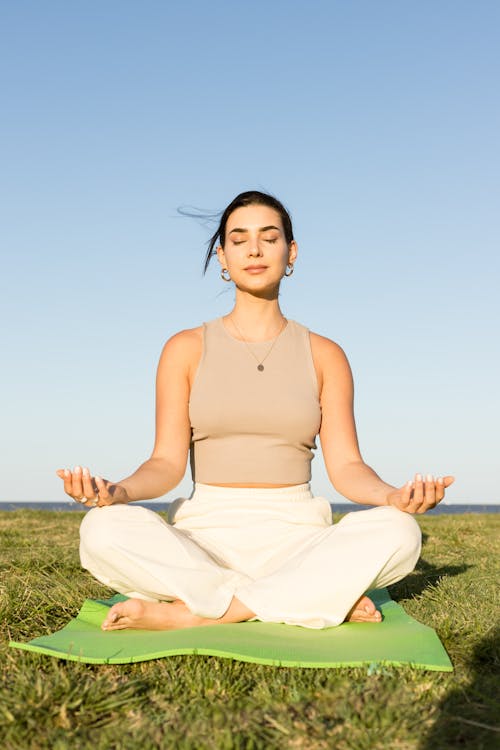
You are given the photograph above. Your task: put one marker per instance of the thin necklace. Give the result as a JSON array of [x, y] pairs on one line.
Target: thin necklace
[[260, 362]]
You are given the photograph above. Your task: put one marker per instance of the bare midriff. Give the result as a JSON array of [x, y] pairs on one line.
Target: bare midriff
[[253, 485]]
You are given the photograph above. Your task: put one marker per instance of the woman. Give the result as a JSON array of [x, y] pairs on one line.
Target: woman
[[246, 395]]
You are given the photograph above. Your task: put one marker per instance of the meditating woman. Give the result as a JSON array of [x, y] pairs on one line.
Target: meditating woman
[[246, 395]]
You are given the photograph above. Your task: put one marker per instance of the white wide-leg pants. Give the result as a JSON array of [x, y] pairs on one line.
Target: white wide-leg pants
[[276, 550]]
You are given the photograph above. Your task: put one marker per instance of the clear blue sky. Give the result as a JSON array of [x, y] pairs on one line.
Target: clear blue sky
[[376, 123]]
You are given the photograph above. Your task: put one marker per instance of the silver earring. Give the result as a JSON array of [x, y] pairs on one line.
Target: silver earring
[[223, 277], [289, 269]]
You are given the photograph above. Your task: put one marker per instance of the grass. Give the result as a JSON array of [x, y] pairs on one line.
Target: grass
[[198, 703]]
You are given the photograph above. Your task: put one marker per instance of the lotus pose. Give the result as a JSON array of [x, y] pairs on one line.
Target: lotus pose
[[246, 396]]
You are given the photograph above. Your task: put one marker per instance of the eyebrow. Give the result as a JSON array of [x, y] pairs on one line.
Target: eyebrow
[[242, 230]]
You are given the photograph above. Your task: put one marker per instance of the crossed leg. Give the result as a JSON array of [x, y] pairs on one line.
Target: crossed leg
[[146, 615], [211, 594]]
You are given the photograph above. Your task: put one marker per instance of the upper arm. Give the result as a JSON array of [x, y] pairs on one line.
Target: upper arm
[[178, 362], [338, 436]]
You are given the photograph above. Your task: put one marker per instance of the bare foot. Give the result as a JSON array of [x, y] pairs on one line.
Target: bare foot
[[364, 611], [139, 614]]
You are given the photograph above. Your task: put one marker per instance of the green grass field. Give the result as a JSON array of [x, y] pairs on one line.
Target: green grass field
[[205, 702]]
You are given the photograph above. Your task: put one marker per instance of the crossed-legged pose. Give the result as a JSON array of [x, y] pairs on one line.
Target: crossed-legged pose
[[246, 395]]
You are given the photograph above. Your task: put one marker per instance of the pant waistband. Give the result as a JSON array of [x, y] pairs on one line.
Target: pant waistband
[[297, 493]]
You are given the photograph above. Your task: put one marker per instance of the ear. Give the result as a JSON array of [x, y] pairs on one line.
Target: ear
[[292, 251], [221, 256]]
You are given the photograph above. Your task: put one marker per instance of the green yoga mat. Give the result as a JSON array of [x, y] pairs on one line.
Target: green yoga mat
[[398, 640]]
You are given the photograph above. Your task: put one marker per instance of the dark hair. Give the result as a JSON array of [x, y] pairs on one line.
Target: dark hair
[[249, 198]]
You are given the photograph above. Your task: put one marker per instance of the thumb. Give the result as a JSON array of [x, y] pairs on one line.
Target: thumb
[[448, 480]]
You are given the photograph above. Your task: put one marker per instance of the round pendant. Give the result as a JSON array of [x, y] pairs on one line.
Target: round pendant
[[260, 368]]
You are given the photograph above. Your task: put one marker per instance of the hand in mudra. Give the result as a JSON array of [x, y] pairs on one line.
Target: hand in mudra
[[419, 494], [91, 491]]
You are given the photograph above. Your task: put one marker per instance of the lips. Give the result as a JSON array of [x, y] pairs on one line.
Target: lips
[[255, 269]]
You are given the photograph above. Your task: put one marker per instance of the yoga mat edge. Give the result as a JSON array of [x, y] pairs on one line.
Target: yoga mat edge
[[399, 640], [237, 657]]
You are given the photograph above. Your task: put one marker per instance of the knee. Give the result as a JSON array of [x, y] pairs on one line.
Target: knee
[[99, 527], [405, 529]]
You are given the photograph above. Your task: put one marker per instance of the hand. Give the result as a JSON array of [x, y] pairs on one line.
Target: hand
[[419, 495], [91, 491]]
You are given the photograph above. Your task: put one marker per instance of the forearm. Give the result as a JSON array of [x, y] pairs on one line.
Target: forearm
[[153, 478], [358, 482]]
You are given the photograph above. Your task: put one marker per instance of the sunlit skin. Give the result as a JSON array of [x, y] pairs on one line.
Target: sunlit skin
[[256, 255]]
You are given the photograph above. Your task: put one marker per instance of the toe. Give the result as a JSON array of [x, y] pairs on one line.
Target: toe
[[366, 606], [113, 616], [364, 611], [369, 606]]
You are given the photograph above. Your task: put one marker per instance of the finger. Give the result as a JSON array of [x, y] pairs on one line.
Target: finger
[[418, 490], [417, 497], [405, 496], [67, 477], [439, 489], [448, 480], [89, 488], [102, 488], [104, 496], [430, 493], [77, 485]]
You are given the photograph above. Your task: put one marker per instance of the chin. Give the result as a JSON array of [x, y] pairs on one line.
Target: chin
[[262, 288]]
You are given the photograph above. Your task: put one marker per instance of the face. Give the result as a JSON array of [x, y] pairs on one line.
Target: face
[[255, 250]]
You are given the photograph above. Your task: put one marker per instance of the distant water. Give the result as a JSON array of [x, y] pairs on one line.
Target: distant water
[[442, 509]]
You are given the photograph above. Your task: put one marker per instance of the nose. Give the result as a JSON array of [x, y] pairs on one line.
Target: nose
[[254, 249]]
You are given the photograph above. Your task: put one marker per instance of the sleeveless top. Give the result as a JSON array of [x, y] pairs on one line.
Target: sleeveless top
[[251, 426]]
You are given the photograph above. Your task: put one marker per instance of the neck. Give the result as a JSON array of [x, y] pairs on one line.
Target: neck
[[258, 319]]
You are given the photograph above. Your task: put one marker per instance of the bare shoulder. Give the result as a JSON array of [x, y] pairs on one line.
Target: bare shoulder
[[183, 349], [184, 341], [327, 353], [330, 362]]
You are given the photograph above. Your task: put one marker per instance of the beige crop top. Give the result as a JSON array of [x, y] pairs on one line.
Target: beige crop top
[[251, 426]]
